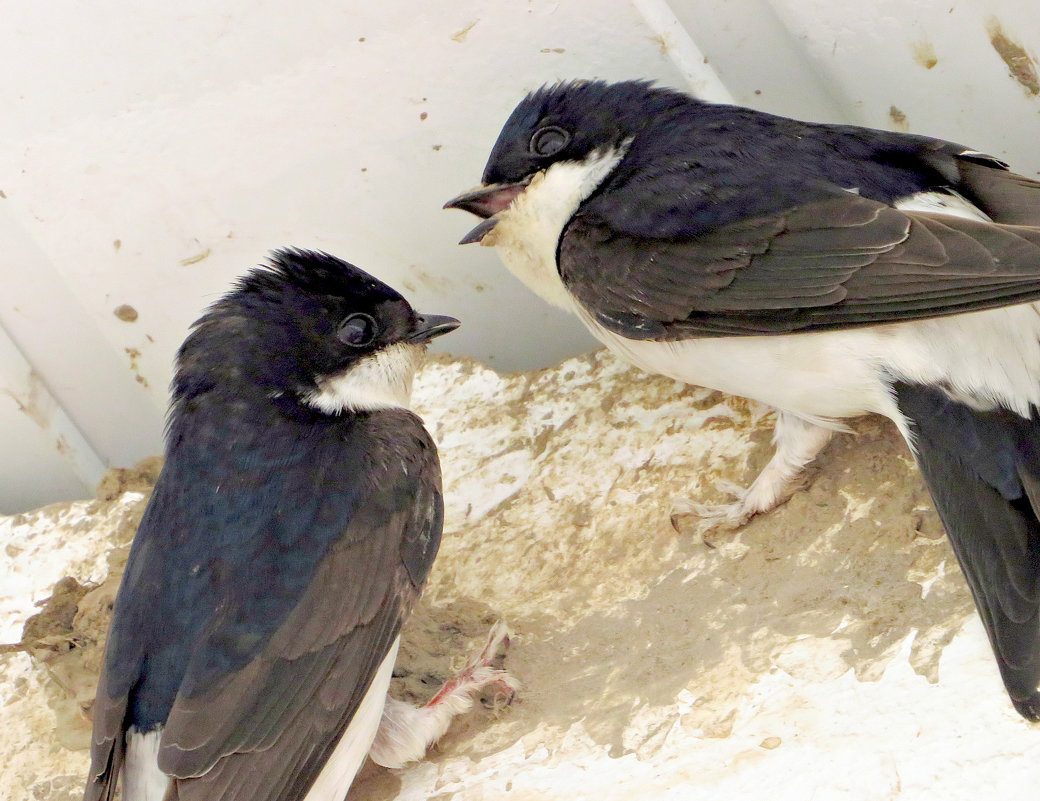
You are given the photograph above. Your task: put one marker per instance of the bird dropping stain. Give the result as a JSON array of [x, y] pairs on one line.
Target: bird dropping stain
[[924, 53], [898, 118], [460, 36], [135, 354], [430, 281], [663, 45], [1019, 63], [32, 403], [196, 258]]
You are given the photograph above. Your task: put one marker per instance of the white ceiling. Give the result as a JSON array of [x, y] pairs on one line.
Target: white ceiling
[[152, 152]]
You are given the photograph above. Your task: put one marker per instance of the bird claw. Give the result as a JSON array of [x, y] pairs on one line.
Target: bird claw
[[480, 673], [406, 732], [724, 516], [504, 685], [501, 692]]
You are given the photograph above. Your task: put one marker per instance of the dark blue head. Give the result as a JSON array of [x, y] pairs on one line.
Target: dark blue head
[[569, 121], [289, 328], [562, 122]]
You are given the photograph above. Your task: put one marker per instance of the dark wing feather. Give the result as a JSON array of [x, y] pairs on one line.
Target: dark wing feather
[[842, 262], [1005, 196], [284, 738], [311, 568], [983, 469], [107, 746]]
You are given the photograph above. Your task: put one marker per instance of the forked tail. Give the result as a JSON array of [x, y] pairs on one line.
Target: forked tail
[[983, 470]]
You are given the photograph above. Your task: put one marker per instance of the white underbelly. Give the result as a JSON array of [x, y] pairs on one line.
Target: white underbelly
[[984, 358], [815, 376]]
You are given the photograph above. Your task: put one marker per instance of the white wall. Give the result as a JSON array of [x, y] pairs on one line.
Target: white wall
[[151, 152]]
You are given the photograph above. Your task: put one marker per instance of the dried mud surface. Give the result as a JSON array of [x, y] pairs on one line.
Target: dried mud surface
[[558, 488]]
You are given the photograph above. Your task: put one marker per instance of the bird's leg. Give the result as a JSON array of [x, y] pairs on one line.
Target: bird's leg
[[405, 731], [797, 443]]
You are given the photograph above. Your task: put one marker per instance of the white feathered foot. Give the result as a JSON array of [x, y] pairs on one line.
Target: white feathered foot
[[797, 443], [406, 732]]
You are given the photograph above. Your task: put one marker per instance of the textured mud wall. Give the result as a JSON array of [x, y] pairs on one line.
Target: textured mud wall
[[808, 653]]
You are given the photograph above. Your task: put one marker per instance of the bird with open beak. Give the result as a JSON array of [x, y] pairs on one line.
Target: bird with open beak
[[289, 535], [826, 270]]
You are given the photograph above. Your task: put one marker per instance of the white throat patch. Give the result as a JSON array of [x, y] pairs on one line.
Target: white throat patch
[[529, 230], [382, 380]]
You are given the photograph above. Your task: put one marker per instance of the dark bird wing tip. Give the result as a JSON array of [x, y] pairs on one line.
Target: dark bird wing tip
[[1029, 708]]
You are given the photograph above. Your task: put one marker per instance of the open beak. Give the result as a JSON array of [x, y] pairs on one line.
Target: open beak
[[428, 326], [486, 202]]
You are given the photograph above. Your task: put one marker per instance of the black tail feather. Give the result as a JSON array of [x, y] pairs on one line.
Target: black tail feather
[[983, 470]]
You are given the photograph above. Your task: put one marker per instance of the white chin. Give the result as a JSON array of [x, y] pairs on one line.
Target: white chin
[[382, 380]]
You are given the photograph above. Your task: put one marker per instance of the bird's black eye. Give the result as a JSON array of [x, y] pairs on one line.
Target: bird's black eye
[[549, 140], [357, 330]]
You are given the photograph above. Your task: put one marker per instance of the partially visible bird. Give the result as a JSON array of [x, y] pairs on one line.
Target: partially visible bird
[[827, 270], [289, 535]]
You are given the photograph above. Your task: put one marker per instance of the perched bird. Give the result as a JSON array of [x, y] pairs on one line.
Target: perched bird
[[288, 537], [827, 270]]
